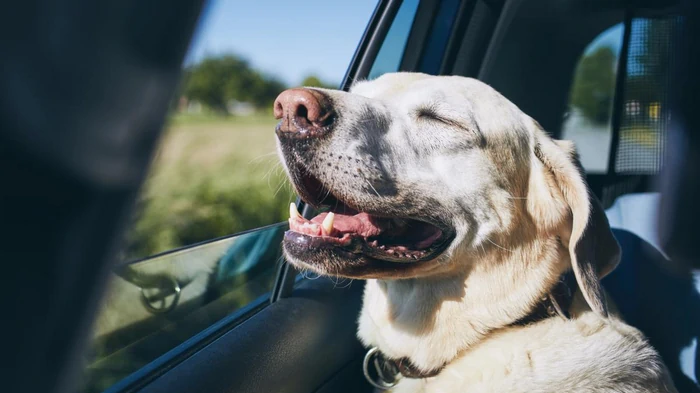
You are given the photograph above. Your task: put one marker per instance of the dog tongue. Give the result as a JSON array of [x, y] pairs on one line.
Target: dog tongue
[[361, 224], [341, 227]]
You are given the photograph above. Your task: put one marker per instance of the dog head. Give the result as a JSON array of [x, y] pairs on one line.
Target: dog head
[[420, 174]]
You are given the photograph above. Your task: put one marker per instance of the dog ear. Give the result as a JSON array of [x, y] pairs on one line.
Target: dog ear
[[593, 250]]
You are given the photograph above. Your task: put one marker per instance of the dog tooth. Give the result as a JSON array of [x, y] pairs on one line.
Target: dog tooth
[[293, 212], [328, 223]]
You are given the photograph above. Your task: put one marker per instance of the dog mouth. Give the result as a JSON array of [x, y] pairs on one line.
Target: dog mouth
[[352, 233]]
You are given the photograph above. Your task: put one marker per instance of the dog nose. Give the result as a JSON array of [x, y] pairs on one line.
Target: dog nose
[[303, 113]]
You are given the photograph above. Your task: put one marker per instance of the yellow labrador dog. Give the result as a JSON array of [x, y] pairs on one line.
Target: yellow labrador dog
[[481, 245]]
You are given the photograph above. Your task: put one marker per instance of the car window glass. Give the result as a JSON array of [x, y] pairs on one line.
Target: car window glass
[[644, 115], [391, 52], [156, 304], [203, 242], [588, 121]]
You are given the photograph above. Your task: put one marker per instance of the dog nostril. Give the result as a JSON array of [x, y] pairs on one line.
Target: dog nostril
[[305, 111], [279, 110], [302, 112]]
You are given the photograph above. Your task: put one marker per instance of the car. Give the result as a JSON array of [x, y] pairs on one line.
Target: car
[[228, 313]]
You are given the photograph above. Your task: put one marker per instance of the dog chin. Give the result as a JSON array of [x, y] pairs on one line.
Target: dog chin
[[340, 263]]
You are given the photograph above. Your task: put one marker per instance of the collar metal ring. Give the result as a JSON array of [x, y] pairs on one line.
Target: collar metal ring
[[378, 382]]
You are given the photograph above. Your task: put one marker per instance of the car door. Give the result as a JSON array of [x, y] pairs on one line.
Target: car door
[[227, 313]]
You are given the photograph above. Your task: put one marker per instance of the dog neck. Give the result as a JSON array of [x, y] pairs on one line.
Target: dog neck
[[431, 320]]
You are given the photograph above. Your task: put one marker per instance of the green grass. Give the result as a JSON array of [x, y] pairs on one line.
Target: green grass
[[212, 176]]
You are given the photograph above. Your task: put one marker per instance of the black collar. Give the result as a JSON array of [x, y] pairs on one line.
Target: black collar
[[556, 303], [387, 372]]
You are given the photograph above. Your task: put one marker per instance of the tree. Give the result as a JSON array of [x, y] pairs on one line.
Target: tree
[[217, 80], [314, 81], [594, 84]]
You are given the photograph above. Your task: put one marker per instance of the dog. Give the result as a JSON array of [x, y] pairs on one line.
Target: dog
[[480, 242]]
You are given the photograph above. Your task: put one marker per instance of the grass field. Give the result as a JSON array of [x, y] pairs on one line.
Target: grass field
[[211, 176]]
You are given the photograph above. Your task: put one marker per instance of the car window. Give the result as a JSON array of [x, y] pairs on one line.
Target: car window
[[204, 242], [645, 115], [643, 118], [391, 52], [588, 121]]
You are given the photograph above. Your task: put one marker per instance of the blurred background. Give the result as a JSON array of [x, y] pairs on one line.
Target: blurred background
[[216, 171]]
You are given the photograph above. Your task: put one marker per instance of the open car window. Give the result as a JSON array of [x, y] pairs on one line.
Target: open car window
[[203, 248]]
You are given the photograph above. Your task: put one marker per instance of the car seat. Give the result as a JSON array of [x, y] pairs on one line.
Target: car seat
[[650, 294]]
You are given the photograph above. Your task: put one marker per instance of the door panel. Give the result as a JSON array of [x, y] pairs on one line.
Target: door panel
[[299, 344]]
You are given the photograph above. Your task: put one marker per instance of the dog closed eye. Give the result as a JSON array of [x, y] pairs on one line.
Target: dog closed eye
[[430, 114]]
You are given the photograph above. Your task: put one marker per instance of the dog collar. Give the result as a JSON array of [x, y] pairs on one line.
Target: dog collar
[[387, 372], [555, 303]]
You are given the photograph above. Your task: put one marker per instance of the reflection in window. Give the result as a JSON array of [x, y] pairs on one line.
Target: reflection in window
[[588, 122], [157, 304]]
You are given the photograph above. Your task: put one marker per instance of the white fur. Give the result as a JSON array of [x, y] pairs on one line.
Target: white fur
[[522, 216]]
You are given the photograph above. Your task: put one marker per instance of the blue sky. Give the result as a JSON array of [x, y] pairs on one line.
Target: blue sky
[[611, 37], [285, 38], [291, 39]]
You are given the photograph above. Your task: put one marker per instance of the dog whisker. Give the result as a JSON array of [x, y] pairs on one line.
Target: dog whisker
[[262, 156], [306, 273], [483, 250], [501, 247], [372, 187], [279, 188], [268, 175], [349, 282], [270, 170]]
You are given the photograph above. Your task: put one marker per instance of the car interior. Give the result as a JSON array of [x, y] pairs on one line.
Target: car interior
[[189, 321]]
